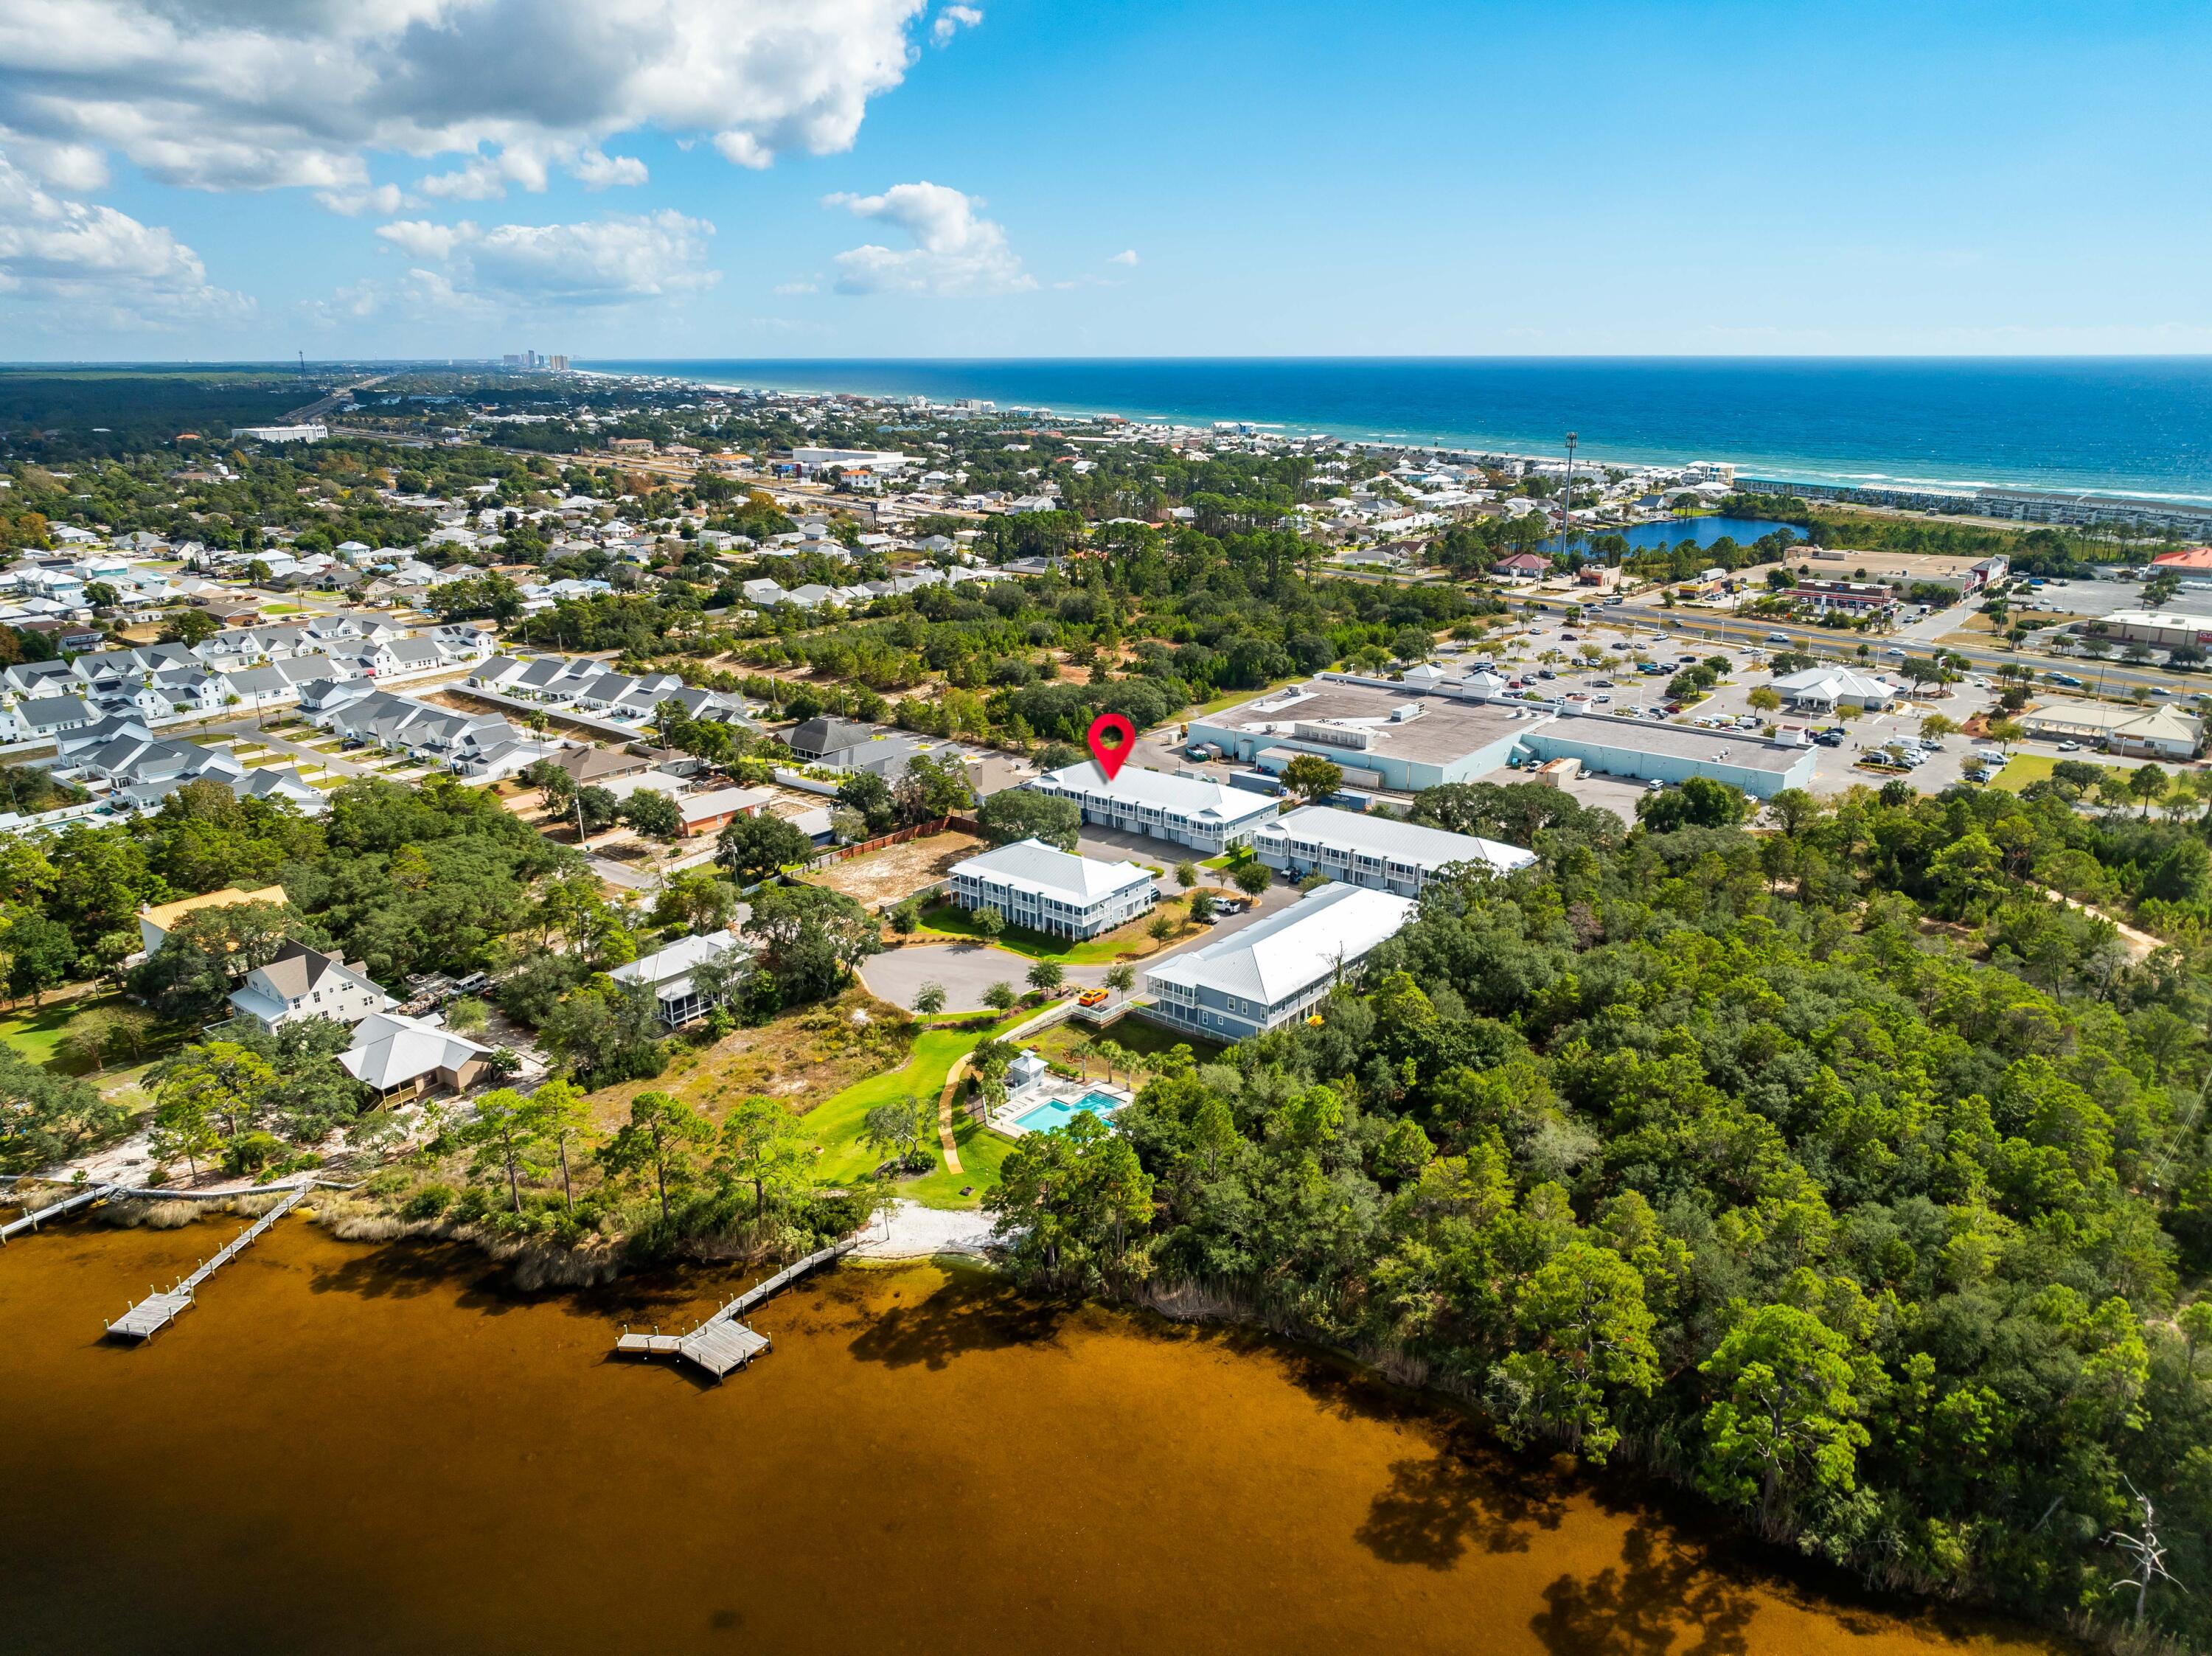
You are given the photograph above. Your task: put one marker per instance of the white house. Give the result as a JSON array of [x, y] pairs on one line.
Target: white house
[[668, 974], [1822, 689], [304, 983]]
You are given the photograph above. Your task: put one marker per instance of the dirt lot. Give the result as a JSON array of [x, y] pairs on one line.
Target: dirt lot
[[800, 1058], [884, 876]]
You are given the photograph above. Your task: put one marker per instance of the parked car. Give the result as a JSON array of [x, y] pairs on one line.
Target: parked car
[[1091, 998], [1655, 785]]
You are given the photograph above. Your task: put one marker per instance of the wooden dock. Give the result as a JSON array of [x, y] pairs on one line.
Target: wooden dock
[[157, 1311], [84, 1198], [721, 1343]]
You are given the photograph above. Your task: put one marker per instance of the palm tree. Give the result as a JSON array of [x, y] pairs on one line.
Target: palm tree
[[1122, 979]]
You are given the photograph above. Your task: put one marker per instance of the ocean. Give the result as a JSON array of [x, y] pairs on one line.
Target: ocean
[[2136, 426]]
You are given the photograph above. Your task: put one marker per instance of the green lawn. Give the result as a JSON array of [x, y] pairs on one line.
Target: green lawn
[[942, 920], [2022, 768], [38, 1036], [835, 1123]]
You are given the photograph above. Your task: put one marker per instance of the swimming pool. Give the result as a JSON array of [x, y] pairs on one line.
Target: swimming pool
[[1059, 1112]]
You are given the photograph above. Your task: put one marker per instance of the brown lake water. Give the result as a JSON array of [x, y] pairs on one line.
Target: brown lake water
[[354, 1448]]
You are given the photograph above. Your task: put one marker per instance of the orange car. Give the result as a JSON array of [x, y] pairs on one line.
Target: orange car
[[1091, 998]]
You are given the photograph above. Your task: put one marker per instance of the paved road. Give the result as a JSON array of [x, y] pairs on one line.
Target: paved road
[[966, 970], [243, 730], [1829, 644]]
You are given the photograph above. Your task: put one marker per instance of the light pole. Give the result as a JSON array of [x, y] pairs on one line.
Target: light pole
[[1567, 495]]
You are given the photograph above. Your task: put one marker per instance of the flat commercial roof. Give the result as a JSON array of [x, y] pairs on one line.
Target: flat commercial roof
[[1445, 730], [1736, 748]]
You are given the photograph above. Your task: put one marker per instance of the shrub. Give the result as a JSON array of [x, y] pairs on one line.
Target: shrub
[[428, 1202]]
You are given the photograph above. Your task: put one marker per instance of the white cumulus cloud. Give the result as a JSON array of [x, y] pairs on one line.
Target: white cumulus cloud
[[254, 94], [956, 252], [597, 170], [608, 261], [951, 21], [101, 263], [1127, 256], [383, 200]]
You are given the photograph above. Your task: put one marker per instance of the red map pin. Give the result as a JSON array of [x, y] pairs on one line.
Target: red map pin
[[1111, 738]]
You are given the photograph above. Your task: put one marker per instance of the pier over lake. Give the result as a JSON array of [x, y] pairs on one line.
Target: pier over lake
[[374, 1448]]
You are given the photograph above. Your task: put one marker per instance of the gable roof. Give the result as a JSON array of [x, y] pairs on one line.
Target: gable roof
[[1034, 866], [1289, 951]]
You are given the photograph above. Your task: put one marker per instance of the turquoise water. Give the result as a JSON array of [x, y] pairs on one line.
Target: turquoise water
[[2125, 425], [1047, 1116]]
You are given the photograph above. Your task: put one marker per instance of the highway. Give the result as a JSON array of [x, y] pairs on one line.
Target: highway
[[1828, 643]]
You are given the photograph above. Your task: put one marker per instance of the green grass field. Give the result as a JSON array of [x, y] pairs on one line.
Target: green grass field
[[2022, 768], [942, 920], [835, 1123]]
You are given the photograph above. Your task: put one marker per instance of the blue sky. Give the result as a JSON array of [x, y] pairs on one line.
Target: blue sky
[[862, 178]]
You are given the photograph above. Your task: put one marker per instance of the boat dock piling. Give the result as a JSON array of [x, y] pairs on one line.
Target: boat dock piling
[[157, 1311], [721, 1343], [84, 1198]]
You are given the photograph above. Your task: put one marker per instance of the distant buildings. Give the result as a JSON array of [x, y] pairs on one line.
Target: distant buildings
[[1045, 890], [2163, 629], [1269, 974], [1382, 735]]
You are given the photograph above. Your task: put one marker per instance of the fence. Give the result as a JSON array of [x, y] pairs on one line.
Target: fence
[[898, 837]]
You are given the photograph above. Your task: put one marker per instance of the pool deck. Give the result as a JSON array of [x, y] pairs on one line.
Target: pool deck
[[1054, 1090]]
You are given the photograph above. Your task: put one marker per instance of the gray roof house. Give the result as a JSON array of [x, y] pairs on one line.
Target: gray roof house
[[397, 1055], [305, 983]]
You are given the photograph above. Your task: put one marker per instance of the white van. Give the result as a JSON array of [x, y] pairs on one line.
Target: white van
[[1990, 755]]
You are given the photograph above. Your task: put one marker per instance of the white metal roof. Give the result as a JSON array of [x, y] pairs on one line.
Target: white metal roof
[[1391, 837], [1319, 934], [1194, 797], [1033, 866], [390, 1049], [678, 960]]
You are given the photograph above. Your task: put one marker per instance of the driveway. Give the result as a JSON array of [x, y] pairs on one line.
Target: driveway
[[966, 969]]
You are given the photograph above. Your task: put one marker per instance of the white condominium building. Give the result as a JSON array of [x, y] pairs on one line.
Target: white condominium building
[[1381, 851], [1034, 885], [1265, 975], [1190, 811]]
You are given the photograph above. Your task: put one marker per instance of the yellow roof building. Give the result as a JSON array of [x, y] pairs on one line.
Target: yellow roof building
[[155, 924]]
